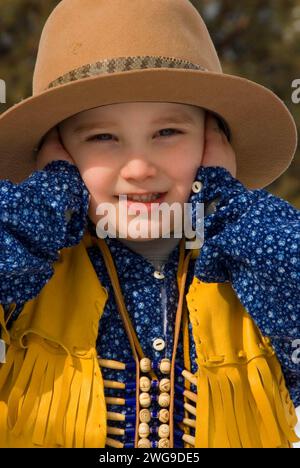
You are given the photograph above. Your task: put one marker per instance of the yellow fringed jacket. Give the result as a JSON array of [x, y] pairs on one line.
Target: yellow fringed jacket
[[51, 387]]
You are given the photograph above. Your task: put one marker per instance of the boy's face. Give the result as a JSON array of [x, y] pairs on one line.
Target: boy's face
[[121, 149]]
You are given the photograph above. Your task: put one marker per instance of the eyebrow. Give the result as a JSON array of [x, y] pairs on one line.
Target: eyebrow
[[177, 118]]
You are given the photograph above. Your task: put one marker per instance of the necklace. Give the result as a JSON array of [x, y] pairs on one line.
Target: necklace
[[148, 374]]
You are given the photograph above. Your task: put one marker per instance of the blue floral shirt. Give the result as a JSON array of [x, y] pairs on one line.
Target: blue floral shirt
[[251, 238]]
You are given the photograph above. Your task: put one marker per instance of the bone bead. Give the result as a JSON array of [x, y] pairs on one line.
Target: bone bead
[[190, 408], [115, 430], [164, 443], [144, 443], [165, 366], [189, 439], [190, 377], [164, 415], [164, 385], [190, 395], [110, 364], [113, 443], [111, 416], [145, 416], [164, 400], [145, 365], [163, 431], [113, 384], [189, 422], [144, 430], [115, 401], [145, 384], [145, 400]]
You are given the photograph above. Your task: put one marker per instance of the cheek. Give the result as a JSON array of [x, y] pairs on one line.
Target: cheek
[[184, 169], [184, 175], [98, 181]]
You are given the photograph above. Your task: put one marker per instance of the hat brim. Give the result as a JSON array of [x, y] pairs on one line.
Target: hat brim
[[264, 133]]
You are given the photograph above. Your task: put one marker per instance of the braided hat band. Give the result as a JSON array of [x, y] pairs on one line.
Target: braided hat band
[[124, 64]]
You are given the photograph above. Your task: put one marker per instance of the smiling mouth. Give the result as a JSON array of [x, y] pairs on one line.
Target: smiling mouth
[[146, 198]]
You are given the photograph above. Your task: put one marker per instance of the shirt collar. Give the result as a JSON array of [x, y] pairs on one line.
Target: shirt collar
[[130, 263]]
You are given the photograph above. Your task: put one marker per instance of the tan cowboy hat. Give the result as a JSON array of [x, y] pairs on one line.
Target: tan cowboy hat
[[99, 52]]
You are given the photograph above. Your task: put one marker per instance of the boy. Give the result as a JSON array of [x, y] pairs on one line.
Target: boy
[[201, 371]]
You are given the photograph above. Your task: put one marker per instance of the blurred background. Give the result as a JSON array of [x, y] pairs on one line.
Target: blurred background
[[258, 40]]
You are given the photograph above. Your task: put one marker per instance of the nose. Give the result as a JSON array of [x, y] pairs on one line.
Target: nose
[[138, 169]]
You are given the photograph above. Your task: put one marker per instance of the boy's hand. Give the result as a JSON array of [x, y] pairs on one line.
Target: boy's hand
[[52, 150], [217, 151]]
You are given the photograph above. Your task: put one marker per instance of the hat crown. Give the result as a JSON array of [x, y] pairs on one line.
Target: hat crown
[[81, 32]]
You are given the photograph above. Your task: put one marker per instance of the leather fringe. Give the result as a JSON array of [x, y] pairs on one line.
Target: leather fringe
[[244, 406], [49, 398]]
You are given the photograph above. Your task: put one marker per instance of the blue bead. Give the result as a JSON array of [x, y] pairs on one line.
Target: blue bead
[[178, 441], [178, 444], [130, 402], [130, 417], [155, 384], [155, 422], [178, 432], [130, 385], [178, 402], [130, 431], [129, 445], [154, 428], [130, 366], [178, 417], [155, 365], [178, 368], [129, 424], [129, 391], [179, 388]]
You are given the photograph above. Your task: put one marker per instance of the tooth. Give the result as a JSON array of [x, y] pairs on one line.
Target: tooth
[[144, 198]]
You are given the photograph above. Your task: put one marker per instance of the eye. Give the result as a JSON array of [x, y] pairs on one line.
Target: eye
[[98, 137], [169, 130]]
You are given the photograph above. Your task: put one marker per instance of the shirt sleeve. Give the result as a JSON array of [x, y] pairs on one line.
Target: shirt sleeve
[[252, 239], [38, 217]]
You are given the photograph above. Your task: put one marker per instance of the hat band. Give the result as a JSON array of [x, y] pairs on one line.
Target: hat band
[[124, 64]]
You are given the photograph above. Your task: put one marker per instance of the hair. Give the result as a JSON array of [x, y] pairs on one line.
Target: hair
[[222, 125]]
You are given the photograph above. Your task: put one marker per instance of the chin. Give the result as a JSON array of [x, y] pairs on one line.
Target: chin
[[146, 232]]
